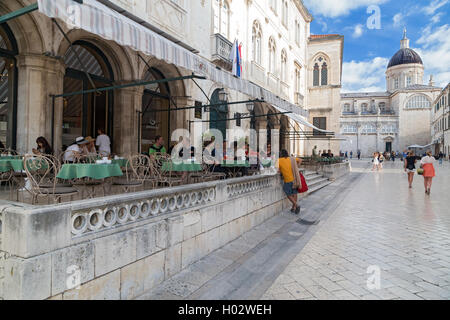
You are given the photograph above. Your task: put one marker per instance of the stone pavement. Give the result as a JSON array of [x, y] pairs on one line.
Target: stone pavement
[[380, 223], [366, 219]]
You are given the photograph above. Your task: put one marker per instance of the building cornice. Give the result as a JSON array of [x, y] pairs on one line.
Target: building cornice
[[304, 11]]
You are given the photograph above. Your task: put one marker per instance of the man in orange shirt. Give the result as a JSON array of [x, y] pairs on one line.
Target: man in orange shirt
[[291, 178]]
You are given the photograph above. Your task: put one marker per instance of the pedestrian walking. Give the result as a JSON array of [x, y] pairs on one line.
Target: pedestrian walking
[[351, 154], [359, 154], [380, 161], [346, 154], [288, 168], [441, 158], [393, 156], [410, 167], [427, 163], [376, 162]]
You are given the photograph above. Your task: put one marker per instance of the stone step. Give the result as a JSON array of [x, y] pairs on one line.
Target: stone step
[[319, 186], [316, 182], [314, 178]]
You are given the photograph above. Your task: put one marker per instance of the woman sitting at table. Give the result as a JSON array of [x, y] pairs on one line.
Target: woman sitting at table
[[43, 147], [74, 150], [89, 148]]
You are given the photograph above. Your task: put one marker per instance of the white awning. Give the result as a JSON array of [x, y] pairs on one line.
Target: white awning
[[300, 120], [98, 19]]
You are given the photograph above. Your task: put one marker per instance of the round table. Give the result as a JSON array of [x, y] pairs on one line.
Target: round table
[[181, 167], [89, 170]]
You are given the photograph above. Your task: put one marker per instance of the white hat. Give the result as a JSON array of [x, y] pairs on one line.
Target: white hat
[[80, 140]]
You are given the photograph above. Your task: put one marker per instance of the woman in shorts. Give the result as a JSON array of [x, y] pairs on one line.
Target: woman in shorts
[[410, 167]]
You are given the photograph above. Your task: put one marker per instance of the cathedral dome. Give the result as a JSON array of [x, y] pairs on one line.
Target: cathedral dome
[[405, 56]]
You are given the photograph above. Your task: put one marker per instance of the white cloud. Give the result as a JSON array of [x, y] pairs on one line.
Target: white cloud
[[435, 53], [358, 31], [434, 5], [364, 76], [398, 20], [334, 8], [436, 18]]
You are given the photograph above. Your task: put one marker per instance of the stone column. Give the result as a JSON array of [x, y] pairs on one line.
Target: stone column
[[39, 76], [127, 102]]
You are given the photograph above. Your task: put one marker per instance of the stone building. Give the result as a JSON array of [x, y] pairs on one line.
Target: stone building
[[325, 55], [391, 120], [440, 130], [278, 53]]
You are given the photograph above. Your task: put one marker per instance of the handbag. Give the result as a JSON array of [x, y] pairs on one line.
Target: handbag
[[420, 171], [304, 187]]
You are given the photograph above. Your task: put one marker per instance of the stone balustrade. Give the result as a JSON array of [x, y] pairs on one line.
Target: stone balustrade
[[120, 246]]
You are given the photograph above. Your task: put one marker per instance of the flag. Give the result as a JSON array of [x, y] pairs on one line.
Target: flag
[[235, 57]]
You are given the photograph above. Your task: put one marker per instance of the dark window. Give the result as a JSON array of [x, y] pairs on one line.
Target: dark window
[[198, 110], [321, 123], [237, 115], [324, 74], [316, 75]]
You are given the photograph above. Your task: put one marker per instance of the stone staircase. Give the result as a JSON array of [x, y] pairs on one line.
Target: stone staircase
[[315, 181]]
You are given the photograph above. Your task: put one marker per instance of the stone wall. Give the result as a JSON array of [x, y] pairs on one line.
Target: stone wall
[[331, 171], [121, 246]]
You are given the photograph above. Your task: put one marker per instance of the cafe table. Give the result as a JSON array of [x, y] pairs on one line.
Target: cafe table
[[89, 170], [233, 167], [181, 167], [11, 163]]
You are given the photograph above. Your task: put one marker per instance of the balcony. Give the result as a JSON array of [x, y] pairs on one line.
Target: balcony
[[221, 52], [387, 112]]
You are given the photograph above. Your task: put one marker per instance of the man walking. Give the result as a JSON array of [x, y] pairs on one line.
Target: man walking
[[359, 154], [351, 154]]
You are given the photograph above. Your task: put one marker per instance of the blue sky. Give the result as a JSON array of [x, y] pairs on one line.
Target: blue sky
[[367, 51]]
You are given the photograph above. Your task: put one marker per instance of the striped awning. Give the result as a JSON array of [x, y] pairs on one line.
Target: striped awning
[[300, 120], [101, 20]]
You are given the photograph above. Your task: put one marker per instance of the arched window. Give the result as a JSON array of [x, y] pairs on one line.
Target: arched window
[[283, 66], [382, 107], [389, 129], [297, 32], [8, 87], [284, 17], [84, 114], [221, 17], [256, 42], [418, 102], [298, 84], [272, 55], [396, 83], [409, 81], [316, 75], [324, 74], [320, 72], [347, 108]]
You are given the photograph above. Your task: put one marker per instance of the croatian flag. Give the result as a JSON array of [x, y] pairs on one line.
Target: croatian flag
[[236, 58]]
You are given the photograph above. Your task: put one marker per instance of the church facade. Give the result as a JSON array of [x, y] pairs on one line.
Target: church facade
[[394, 119]]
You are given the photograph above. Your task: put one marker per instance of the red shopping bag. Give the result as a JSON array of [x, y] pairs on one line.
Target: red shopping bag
[[304, 187]]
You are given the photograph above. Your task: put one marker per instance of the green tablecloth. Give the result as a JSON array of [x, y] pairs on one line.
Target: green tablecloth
[[235, 164], [94, 171], [11, 164], [121, 162], [191, 167]]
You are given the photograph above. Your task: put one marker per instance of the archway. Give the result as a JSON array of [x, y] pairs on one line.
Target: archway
[[8, 87], [155, 97], [218, 114], [84, 114]]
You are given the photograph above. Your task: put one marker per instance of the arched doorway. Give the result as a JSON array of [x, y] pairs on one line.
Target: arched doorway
[[155, 97], [219, 113], [84, 114], [8, 87]]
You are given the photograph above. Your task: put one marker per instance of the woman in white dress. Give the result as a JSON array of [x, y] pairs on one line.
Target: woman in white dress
[[376, 162]]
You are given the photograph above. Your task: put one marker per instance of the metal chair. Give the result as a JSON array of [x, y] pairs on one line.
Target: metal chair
[[165, 177], [42, 171], [135, 173]]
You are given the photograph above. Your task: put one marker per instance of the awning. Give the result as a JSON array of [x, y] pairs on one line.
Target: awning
[[300, 120], [416, 146], [99, 19]]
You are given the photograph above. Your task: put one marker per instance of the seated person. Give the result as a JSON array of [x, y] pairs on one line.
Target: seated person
[[74, 150], [43, 147], [330, 155], [89, 148], [158, 147]]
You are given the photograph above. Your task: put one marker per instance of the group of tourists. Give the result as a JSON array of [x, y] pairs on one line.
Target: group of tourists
[[86, 146], [326, 154], [378, 159], [346, 154]]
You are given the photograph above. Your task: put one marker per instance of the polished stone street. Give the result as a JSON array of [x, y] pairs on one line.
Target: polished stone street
[[365, 236], [380, 223]]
